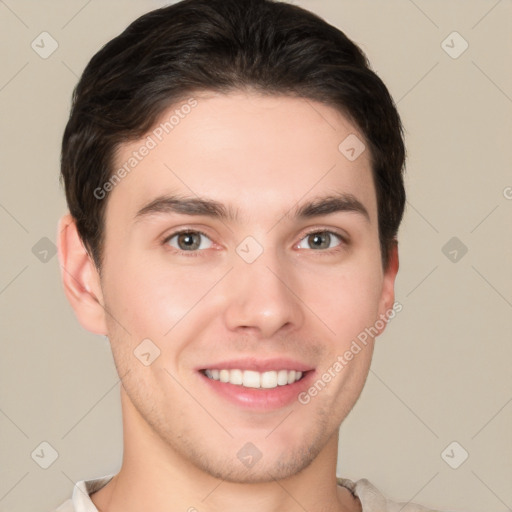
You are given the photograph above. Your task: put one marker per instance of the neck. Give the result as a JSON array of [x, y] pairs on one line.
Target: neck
[[154, 477]]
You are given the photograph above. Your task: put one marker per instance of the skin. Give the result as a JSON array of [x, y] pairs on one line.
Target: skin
[[262, 156]]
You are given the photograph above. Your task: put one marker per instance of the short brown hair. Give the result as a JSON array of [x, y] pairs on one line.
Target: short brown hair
[[222, 45]]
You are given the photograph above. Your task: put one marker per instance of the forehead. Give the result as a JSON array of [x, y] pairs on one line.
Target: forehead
[[256, 154]]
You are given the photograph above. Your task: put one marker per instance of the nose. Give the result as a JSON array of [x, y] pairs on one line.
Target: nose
[[262, 297]]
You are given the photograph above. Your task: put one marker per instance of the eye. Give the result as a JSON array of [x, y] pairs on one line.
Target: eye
[[188, 241], [321, 240]]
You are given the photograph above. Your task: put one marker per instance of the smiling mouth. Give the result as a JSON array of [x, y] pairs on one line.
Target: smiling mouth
[[253, 379]]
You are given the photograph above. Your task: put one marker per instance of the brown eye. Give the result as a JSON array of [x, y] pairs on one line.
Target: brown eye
[[320, 240], [189, 241]]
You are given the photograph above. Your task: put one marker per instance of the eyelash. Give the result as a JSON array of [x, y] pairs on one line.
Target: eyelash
[[184, 253], [341, 246]]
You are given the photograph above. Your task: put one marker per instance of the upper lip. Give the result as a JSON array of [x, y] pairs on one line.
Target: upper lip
[[258, 365]]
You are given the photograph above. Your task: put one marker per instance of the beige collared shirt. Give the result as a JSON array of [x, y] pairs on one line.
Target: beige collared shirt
[[371, 498]]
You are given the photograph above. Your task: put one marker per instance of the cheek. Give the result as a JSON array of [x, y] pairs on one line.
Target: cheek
[[345, 300], [150, 297]]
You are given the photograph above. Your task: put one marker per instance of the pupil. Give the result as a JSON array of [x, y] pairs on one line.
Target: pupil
[[320, 239], [187, 240]]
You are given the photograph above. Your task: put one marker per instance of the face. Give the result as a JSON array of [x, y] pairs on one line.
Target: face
[[243, 240]]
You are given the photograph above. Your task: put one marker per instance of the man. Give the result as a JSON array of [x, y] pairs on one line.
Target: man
[[233, 171]]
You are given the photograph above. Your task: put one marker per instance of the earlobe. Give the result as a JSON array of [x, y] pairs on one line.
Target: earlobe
[[387, 299], [80, 278]]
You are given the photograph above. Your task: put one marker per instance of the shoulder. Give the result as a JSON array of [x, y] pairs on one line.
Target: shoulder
[[372, 500], [80, 500], [67, 506]]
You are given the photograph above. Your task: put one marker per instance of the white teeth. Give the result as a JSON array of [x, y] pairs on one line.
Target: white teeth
[[282, 377], [236, 377], [252, 379]]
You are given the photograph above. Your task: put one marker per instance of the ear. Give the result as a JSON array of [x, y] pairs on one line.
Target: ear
[[387, 298], [80, 278]]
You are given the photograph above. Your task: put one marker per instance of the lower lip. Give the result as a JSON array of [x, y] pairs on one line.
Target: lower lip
[[259, 398]]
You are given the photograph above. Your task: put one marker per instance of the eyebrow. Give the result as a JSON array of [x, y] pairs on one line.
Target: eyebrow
[[197, 206]]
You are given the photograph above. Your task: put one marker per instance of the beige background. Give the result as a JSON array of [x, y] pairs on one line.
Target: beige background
[[441, 372]]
